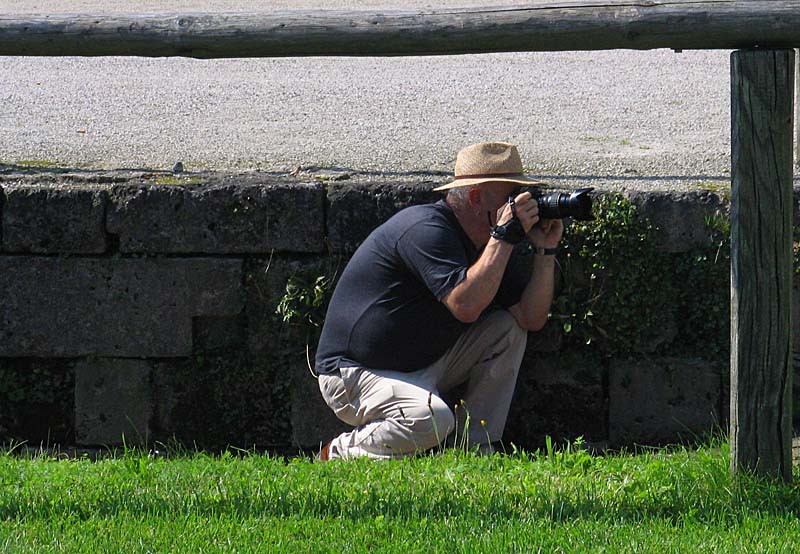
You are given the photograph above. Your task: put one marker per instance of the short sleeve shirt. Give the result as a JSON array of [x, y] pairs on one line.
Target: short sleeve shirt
[[387, 310]]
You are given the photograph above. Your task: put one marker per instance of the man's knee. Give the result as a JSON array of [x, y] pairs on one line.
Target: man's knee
[[430, 423], [505, 329], [506, 323]]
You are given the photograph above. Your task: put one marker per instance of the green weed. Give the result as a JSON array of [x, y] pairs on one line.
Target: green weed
[[175, 180]]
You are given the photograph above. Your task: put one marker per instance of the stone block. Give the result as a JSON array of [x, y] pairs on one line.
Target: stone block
[[560, 395], [225, 215], [680, 217], [549, 339], [37, 401], [656, 401], [218, 334], [313, 423], [48, 219], [220, 400], [115, 307], [355, 209], [112, 400]]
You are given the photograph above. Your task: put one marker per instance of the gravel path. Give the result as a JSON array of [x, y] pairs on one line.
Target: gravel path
[[626, 116]]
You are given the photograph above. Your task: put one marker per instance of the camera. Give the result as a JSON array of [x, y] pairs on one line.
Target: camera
[[558, 205], [555, 205]]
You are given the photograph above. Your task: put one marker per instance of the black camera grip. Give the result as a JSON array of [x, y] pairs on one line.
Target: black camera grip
[[511, 231]]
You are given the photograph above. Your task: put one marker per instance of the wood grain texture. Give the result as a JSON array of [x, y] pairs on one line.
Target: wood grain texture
[[645, 24], [762, 86]]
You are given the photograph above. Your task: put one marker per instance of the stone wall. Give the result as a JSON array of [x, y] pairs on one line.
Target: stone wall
[[139, 307]]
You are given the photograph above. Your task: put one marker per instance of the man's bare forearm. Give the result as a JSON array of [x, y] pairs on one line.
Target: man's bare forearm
[[468, 300], [533, 308]]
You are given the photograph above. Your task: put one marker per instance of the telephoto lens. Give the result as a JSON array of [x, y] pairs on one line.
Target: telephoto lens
[[558, 205]]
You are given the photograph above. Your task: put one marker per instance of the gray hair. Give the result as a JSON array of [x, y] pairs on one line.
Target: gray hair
[[459, 196]]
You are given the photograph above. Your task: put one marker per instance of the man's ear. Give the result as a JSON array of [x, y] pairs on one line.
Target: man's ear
[[475, 198]]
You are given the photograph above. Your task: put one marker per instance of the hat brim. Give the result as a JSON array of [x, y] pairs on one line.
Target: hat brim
[[522, 180]]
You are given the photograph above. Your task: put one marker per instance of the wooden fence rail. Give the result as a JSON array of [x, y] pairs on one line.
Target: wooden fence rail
[[590, 25]]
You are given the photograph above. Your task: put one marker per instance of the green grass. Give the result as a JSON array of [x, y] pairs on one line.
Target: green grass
[[665, 501]]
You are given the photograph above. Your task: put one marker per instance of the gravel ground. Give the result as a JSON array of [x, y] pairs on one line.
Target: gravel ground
[[624, 116]]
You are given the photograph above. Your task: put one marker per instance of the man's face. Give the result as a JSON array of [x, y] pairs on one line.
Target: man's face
[[495, 195]]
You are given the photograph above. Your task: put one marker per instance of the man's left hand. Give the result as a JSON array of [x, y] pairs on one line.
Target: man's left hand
[[546, 233]]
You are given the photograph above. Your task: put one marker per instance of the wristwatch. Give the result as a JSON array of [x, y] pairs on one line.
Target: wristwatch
[[544, 251]]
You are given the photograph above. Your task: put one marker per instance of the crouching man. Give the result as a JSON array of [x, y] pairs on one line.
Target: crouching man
[[428, 302]]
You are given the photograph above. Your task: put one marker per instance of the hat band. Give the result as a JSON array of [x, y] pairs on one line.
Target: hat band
[[487, 175]]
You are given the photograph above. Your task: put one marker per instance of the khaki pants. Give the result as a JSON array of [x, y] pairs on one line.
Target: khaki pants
[[396, 414]]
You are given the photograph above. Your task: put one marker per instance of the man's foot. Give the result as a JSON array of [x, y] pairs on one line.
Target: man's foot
[[324, 452]]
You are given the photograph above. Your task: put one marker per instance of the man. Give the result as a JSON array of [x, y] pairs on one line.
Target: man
[[428, 302]]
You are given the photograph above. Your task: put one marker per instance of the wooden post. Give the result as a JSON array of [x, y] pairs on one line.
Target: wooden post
[[797, 107], [762, 87]]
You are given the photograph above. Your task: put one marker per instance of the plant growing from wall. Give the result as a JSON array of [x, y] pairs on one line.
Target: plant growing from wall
[[617, 288], [703, 294], [304, 303]]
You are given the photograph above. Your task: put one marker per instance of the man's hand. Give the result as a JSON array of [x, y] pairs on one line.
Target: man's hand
[[526, 208], [548, 232]]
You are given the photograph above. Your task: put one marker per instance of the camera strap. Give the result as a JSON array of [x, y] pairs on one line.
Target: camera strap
[[511, 231]]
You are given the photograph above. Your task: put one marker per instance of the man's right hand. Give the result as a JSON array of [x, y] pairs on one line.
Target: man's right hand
[[526, 208]]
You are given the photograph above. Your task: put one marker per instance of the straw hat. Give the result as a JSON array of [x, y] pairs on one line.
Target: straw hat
[[488, 161]]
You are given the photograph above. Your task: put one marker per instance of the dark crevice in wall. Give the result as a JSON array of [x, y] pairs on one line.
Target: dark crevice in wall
[[113, 243]]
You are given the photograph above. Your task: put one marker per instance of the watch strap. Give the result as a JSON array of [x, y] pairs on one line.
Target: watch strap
[[545, 251]]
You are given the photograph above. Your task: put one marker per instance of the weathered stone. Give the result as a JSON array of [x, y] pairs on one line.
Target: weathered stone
[[220, 400], [313, 422], [113, 402], [214, 334], [680, 217], [355, 209], [44, 219], [37, 401], [661, 400], [228, 215], [69, 307], [548, 339], [558, 395]]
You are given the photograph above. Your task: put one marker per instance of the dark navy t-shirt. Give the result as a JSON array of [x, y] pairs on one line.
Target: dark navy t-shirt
[[386, 311]]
